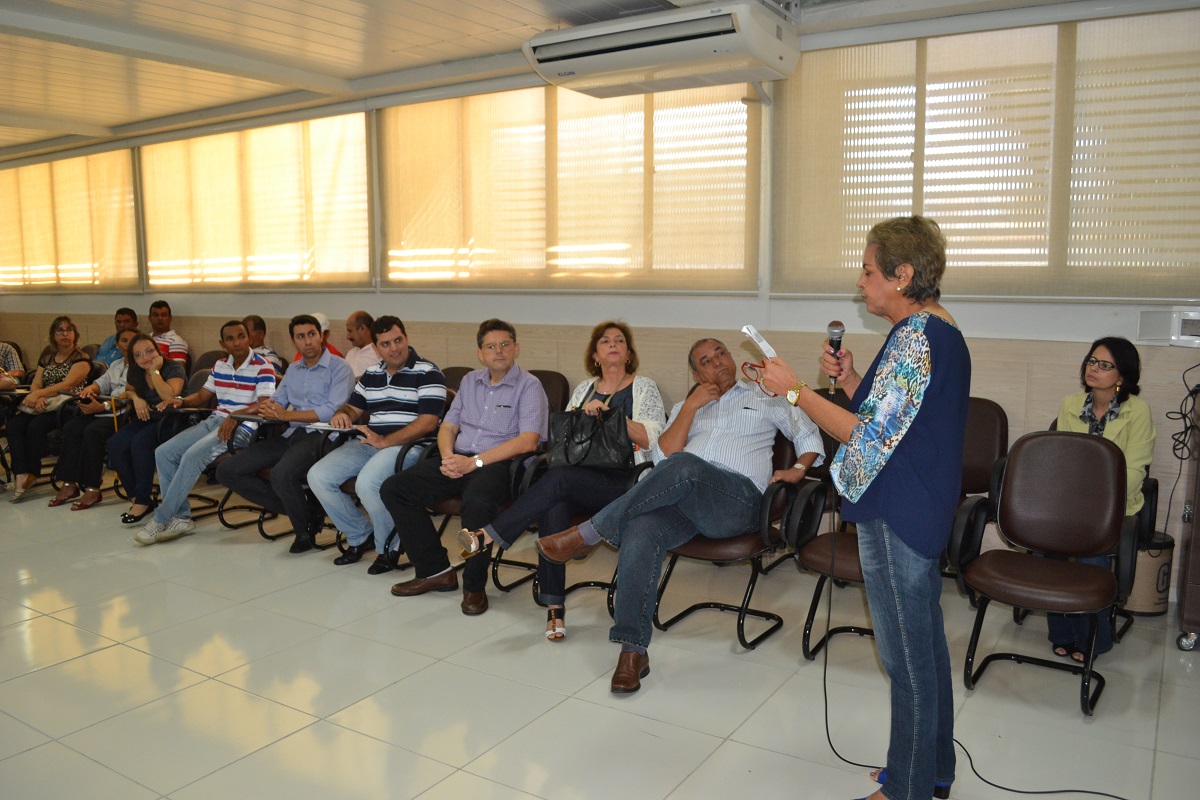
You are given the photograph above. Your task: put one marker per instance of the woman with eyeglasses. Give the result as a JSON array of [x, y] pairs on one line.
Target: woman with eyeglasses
[[63, 368], [1108, 406]]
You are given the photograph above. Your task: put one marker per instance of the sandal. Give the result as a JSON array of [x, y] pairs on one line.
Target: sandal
[[1064, 650], [556, 629], [471, 542], [90, 498], [68, 492], [940, 790]]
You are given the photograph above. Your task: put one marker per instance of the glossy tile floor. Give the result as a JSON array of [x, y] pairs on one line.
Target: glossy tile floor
[[220, 666]]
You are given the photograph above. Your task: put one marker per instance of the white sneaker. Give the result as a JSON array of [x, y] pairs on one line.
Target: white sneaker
[[150, 533], [180, 526]]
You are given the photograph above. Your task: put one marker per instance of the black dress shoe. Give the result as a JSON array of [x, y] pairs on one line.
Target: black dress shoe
[[382, 564], [133, 519], [302, 544], [354, 553]]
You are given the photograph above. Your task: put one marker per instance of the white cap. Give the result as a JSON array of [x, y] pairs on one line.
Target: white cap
[[324, 320]]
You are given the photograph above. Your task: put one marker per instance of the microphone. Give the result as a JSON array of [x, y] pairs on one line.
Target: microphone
[[835, 331]]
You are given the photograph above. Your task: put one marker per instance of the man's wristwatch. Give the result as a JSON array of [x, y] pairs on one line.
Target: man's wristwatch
[[478, 462], [793, 393]]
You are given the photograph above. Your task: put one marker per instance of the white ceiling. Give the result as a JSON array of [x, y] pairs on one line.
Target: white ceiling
[[78, 72]]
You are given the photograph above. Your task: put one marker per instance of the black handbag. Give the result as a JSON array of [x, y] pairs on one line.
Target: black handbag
[[599, 442]]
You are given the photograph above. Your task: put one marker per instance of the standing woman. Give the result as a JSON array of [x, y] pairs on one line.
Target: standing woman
[[152, 378], [899, 471], [64, 368], [1109, 407], [566, 491]]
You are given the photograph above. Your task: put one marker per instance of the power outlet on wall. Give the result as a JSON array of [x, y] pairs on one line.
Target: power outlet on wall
[[1188, 512]]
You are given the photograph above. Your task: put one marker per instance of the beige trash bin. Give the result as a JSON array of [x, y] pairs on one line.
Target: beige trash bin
[[1152, 581]]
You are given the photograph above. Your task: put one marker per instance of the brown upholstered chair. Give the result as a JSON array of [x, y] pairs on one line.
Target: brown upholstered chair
[[1048, 506], [787, 512]]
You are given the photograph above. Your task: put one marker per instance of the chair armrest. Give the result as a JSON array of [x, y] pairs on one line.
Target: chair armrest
[[635, 474], [408, 446], [529, 473], [178, 420], [804, 514], [766, 508], [1126, 561], [966, 537]]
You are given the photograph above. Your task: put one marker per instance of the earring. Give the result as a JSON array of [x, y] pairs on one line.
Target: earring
[[898, 288], [595, 363]]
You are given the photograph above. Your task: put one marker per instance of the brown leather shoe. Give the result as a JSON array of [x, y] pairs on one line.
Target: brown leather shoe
[[474, 603], [562, 547], [631, 668], [444, 582]]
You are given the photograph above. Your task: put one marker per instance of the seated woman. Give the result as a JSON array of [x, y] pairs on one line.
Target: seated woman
[[152, 378], [1108, 407], [81, 462], [63, 369], [564, 492]]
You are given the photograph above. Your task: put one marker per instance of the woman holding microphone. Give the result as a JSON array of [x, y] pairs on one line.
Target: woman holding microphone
[[899, 471]]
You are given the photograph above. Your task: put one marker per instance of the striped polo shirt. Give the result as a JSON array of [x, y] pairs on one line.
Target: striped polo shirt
[[237, 388], [394, 401], [172, 346]]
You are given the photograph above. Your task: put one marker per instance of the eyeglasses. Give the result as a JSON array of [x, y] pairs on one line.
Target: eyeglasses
[[754, 373], [64, 330], [1105, 366], [505, 345]]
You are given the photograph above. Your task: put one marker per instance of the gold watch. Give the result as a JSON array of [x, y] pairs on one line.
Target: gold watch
[[793, 393]]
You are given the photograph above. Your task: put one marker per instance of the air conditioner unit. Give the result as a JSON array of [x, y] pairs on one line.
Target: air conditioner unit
[[683, 48]]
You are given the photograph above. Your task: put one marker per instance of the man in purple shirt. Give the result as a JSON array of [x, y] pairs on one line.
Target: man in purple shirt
[[313, 389], [500, 413]]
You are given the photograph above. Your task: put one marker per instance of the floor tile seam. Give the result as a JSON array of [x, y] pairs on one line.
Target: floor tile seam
[[242, 757], [106, 767], [466, 771], [385, 742], [655, 720], [324, 717], [124, 711], [34, 746]]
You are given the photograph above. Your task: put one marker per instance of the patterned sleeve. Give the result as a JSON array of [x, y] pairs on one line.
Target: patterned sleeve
[[648, 408], [887, 412]]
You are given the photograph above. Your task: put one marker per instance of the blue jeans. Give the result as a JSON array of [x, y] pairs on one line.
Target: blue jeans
[[1076, 629], [181, 459], [371, 467], [904, 589], [681, 497]]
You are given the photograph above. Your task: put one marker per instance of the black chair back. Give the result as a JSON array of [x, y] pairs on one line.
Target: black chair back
[[558, 390], [454, 376], [985, 442], [207, 359]]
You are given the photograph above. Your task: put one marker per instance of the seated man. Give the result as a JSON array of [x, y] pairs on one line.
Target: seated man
[[499, 413], [401, 400], [171, 343], [362, 355], [712, 464], [257, 327], [312, 391], [324, 321], [124, 320], [11, 368], [239, 383]]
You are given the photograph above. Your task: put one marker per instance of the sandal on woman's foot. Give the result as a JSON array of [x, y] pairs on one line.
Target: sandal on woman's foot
[[471, 542], [940, 790], [67, 493], [90, 498], [1063, 650], [556, 628]]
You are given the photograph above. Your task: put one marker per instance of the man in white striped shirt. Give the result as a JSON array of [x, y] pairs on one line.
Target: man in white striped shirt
[[712, 464]]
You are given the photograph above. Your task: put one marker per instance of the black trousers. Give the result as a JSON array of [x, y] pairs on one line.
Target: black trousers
[[289, 459], [81, 461], [408, 495]]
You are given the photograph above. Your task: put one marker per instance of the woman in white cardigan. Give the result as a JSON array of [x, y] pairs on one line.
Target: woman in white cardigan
[[565, 492]]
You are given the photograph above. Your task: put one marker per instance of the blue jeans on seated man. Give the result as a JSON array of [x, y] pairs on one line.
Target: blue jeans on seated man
[[182, 458], [682, 496], [904, 590], [371, 467], [1076, 629]]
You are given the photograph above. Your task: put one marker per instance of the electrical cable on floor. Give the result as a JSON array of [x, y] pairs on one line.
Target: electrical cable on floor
[[966, 752]]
